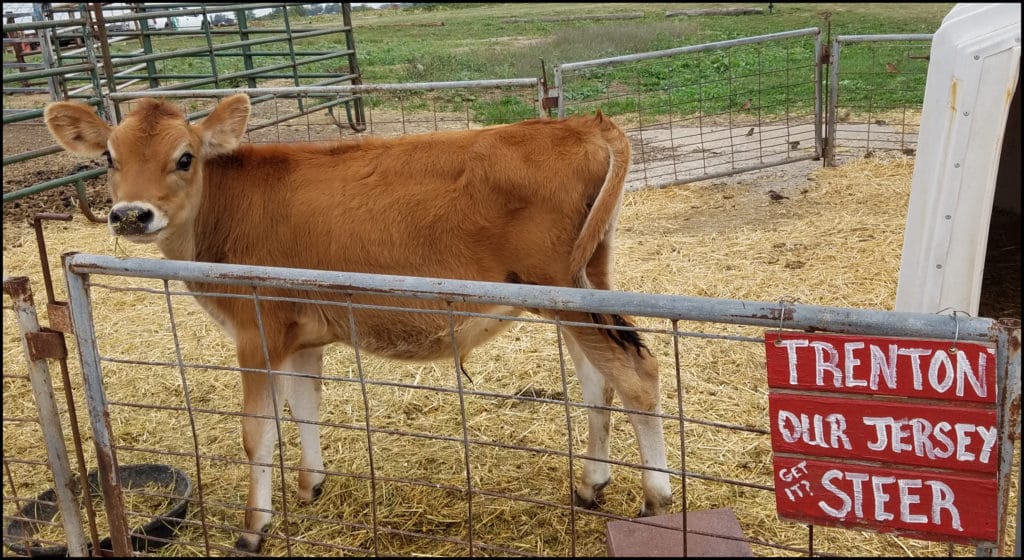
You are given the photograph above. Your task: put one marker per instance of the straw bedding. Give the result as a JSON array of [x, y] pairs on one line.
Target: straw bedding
[[834, 241]]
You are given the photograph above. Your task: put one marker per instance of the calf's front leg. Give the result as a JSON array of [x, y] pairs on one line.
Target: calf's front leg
[[304, 395], [259, 434]]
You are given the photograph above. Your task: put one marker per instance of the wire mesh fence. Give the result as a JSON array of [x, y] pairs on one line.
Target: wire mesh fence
[[286, 114], [708, 110], [876, 91], [471, 456], [692, 113], [389, 109]]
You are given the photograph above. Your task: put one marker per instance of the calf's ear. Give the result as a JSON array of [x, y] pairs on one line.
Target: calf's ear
[[223, 129], [77, 128]]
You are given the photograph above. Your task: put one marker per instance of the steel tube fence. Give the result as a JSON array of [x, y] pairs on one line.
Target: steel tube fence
[[685, 308], [112, 52], [433, 459], [389, 109], [479, 442]]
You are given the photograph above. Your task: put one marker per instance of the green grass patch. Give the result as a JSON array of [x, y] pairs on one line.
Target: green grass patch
[[507, 109]]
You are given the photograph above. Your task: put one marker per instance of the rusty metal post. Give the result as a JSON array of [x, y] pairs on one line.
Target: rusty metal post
[[833, 104], [99, 417], [1008, 420], [38, 345], [37, 224], [100, 25]]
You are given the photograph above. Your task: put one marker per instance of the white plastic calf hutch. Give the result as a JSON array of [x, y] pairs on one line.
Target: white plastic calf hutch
[[968, 158]]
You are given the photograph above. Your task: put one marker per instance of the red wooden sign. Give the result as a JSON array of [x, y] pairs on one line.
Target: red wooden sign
[[957, 438], [857, 452], [931, 505], [881, 366]]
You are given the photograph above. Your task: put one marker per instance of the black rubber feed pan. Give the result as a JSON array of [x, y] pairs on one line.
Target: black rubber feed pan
[[18, 534]]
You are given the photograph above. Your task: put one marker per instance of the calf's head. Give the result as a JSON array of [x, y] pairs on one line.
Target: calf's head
[[155, 158]]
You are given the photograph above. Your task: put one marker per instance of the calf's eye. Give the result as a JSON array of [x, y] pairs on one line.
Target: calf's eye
[[185, 162]]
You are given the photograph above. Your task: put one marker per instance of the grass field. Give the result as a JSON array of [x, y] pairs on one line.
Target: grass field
[[475, 43]]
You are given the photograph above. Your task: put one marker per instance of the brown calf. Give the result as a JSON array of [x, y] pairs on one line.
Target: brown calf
[[534, 202]]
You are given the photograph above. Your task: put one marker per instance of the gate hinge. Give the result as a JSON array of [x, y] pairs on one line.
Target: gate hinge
[[826, 55], [60, 317], [46, 345], [550, 101]]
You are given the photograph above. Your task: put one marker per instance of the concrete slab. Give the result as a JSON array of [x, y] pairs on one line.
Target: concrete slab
[[662, 535]]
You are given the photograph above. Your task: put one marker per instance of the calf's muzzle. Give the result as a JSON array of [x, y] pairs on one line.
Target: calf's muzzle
[[130, 220]]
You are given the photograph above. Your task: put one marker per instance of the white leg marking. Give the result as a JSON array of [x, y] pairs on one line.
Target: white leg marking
[[259, 436], [596, 472], [633, 372], [650, 436], [304, 397]]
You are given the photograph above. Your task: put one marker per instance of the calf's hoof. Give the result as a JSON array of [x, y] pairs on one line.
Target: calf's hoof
[[250, 542], [593, 502], [660, 507], [314, 493]]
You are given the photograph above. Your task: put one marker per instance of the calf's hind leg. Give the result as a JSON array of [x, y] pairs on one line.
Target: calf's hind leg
[[624, 363], [596, 470]]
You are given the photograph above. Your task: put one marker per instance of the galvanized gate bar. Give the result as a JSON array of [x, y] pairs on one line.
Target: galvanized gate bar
[[881, 38], [49, 418], [338, 94], [771, 315], [99, 419], [730, 172], [689, 49], [328, 90], [687, 308]]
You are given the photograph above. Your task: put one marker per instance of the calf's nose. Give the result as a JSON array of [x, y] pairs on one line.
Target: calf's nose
[[130, 219]]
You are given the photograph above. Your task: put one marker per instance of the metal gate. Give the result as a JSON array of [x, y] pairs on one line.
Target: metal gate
[[428, 460], [886, 87], [693, 113]]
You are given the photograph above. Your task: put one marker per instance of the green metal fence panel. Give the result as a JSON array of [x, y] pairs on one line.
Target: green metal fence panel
[[88, 51]]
